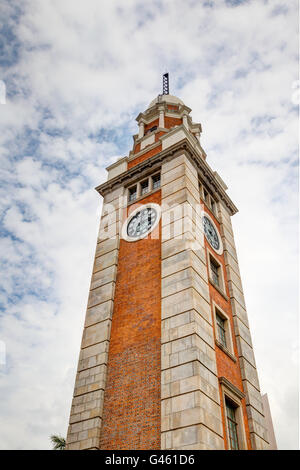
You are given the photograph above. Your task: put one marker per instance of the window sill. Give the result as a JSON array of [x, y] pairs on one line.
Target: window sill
[[225, 350], [218, 289]]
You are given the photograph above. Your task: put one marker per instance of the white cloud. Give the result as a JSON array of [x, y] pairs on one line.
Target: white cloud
[[76, 77]]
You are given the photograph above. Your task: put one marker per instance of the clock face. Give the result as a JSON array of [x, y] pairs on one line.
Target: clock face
[[211, 234], [141, 222]]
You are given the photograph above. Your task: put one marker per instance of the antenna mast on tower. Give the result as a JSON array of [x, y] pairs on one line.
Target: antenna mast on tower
[[165, 84]]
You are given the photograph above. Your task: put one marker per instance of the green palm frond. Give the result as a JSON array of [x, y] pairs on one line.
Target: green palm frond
[[58, 442]]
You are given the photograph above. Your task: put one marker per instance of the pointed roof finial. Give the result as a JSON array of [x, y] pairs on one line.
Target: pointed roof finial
[[165, 84]]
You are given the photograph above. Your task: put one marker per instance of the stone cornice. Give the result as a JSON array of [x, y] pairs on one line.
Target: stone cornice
[[207, 175], [231, 387]]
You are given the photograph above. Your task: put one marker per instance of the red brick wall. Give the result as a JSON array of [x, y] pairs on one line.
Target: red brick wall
[[172, 121], [151, 124], [137, 148], [173, 107], [131, 418], [226, 367], [145, 155]]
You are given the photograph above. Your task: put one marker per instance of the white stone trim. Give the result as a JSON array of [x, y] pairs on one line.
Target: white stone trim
[[185, 120], [87, 404], [148, 140], [120, 166], [191, 414]]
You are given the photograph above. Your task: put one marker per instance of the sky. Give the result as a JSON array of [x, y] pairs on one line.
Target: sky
[[74, 75]]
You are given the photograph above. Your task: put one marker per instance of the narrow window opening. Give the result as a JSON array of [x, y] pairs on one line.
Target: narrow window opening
[[145, 187], [132, 193], [221, 329], [156, 181], [151, 129], [215, 272], [232, 425]]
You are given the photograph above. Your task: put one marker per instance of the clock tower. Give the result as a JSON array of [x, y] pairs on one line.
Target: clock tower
[[166, 358]]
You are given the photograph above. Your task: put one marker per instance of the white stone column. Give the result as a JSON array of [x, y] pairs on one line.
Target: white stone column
[[141, 129], [87, 404], [190, 402], [138, 190], [185, 121], [255, 412], [161, 118]]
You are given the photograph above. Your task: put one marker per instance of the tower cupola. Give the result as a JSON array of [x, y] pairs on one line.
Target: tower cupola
[[165, 113]]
